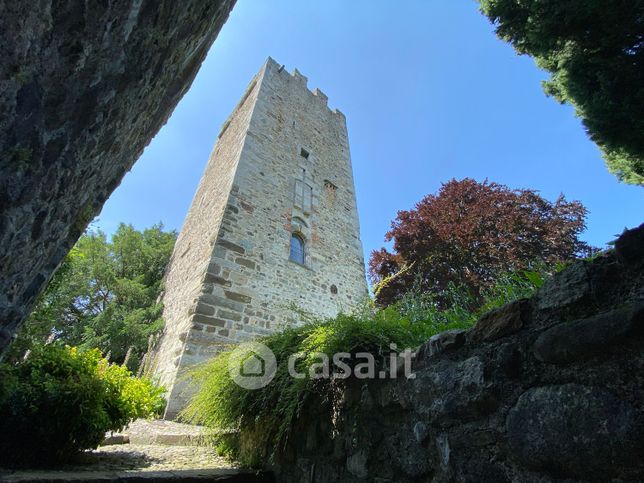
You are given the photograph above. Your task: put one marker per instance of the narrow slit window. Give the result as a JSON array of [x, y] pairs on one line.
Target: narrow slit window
[[303, 196], [297, 248]]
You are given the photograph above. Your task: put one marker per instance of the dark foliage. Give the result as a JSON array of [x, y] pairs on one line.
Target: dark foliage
[[469, 234], [594, 50]]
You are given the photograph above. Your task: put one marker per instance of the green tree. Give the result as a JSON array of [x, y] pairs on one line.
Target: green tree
[[105, 294], [594, 50]]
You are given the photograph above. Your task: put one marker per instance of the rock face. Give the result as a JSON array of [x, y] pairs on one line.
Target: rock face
[[83, 89], [542, 389]]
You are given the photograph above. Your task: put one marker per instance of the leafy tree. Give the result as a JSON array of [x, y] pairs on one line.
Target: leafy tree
[[105, 294], [594, 50], [469, 235]]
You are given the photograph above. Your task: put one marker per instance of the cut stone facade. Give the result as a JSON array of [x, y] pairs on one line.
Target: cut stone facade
[[280, 170]]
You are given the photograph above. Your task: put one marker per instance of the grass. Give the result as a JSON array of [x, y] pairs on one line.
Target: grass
[[264, 417]]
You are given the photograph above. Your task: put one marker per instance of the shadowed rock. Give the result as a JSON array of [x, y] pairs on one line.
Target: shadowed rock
[[83, 89], [567, 342], [543, 389], [574, 431], [501, 322]]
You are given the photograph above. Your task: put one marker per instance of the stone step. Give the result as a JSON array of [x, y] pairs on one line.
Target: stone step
[[155, 432], [219, 475]]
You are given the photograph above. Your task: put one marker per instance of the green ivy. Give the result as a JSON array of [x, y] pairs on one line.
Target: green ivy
[[265, 417]]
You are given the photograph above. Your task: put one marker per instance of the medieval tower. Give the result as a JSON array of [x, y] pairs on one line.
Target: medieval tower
[[273, 225]]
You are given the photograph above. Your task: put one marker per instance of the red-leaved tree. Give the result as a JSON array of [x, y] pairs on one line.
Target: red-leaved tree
[[469, 234]]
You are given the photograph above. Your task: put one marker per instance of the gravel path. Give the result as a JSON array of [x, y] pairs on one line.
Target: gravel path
[[158, 450], [150, 457], [140, 463]]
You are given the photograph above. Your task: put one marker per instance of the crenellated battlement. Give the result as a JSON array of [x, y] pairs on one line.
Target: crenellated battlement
[[302, 80]]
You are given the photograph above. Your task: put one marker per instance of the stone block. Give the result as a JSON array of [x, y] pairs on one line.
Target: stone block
[[204, 309], [237, 297], [214, 268], [565, 289], [206, 320], [501, 322], [117, 438], [209, 278], [245, 262], [231, 246], [445, 341], [629, 247], [568, 342], [225, 314], [574, 431], [222, 302]]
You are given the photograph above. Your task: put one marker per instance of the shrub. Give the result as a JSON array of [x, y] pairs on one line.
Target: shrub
[[266, 416], [60, 401], [222, 405]]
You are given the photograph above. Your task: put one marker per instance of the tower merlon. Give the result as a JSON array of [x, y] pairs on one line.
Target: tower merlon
[[299, 77], [318, 93]]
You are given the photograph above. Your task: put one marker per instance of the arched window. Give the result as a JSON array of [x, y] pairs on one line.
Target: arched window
[[297, 248]]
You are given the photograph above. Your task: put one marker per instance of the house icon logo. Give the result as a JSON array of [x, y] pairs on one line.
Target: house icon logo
[[252, 365]]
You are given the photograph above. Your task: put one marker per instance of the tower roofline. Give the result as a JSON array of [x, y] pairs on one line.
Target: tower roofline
[[302, 79]]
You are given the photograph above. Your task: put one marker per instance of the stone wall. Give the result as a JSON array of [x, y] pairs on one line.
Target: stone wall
[[281, 165], [188, 267], [83, 89], [542, 389]]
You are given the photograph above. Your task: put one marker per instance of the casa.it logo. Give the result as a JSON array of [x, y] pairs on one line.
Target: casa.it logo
[[252, 365]]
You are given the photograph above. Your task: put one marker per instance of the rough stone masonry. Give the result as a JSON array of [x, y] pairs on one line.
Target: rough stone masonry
[[543, 389], [84, 86], [273, 224]]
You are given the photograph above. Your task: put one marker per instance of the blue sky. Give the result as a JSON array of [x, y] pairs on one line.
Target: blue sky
[[429, 93]]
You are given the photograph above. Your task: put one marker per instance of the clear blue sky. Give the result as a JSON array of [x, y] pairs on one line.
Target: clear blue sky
[[429, 93]]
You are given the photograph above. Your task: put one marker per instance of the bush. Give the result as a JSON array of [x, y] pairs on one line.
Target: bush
[[222, 405], [266, 416], [60, 401]]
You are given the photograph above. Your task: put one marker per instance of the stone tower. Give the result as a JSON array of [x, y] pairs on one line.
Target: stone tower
[[273, 224]]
